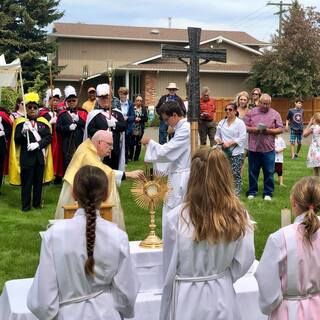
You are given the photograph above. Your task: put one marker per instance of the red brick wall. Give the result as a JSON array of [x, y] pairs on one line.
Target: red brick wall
[[149, 80]]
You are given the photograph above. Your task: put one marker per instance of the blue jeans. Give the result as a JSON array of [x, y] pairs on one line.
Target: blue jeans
[[258, 160], [163, 128]]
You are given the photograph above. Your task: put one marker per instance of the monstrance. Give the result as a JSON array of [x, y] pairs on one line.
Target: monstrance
[[149, 192]]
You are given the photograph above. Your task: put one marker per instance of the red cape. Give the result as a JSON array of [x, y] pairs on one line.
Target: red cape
[[5, 117], [56, 147]]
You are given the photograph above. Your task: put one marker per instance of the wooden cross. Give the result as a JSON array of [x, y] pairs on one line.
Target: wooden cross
[[193, 53]]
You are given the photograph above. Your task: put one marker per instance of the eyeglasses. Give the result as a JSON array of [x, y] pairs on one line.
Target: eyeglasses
[[72, 100], [110, 144], [32, 107], [228, 109]]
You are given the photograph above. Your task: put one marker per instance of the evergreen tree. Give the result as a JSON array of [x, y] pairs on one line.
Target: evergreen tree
[[23, 35], [292, 68]]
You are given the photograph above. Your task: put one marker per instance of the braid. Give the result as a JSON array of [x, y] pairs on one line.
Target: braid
[[90, 236], [90, 188]]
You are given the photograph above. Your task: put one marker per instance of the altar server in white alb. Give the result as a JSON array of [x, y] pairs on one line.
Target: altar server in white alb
[[288, 274], [85, 270], [211, 244], [172, 158]]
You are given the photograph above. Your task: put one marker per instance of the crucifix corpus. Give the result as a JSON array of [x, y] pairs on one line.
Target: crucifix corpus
[[193, 53]]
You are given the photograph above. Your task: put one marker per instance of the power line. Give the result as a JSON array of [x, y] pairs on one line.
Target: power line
[[281, 11]]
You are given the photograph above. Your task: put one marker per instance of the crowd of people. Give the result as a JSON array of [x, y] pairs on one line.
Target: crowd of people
[[38, 140], [85, 269]]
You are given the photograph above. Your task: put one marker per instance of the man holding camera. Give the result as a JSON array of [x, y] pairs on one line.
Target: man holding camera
[[207, 125]]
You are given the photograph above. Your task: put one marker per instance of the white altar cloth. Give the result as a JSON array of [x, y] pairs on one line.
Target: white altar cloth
[[149, 266]]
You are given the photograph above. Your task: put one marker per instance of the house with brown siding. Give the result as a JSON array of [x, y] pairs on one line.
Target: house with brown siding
[[135, 53]]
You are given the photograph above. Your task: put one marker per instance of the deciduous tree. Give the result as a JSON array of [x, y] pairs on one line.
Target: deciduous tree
[[292, 67]]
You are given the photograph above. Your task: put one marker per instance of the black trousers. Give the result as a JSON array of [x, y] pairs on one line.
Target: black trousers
[[2, 158], [128, 142], [31, 180], [135, 147]]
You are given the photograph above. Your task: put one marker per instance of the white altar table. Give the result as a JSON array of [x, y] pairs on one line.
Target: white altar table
[[149, 266]]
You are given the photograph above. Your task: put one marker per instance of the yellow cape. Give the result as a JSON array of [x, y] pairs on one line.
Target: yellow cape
[[14, 156], [86, 154]]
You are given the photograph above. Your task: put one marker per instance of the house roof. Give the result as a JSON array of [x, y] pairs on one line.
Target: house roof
[[180, 67], [170, 67], [94, 31]]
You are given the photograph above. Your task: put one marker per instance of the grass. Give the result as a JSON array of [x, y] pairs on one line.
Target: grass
[[19, 232]]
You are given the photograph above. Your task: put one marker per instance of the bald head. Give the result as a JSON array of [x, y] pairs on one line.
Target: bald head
[[103, 142], [101, 135]]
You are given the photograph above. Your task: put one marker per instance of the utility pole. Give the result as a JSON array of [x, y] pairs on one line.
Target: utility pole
[[281, 11]]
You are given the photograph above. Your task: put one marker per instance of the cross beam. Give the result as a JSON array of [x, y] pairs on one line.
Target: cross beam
[[193, 52]]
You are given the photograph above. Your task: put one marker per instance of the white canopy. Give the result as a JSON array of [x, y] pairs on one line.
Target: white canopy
[[9, 72]]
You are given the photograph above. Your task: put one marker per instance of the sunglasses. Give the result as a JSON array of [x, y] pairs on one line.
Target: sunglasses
[[32, 107], [255, 94], [228, 109]]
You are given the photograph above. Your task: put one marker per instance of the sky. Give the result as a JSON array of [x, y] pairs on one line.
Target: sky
[[252, 16]]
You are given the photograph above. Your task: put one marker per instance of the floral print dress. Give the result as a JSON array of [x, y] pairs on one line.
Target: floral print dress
[[313, 158]]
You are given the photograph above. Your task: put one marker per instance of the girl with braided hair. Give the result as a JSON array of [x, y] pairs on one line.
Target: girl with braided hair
[[291, 259], [211, 242], [85, 270]]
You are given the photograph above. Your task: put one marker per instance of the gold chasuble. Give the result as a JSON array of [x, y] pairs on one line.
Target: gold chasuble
[[14, 156], [86, 154]]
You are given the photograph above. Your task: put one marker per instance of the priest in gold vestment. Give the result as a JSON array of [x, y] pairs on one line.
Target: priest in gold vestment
[[91, 152]]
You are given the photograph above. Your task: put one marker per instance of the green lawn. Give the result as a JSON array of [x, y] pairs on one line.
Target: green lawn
[[19, 232]]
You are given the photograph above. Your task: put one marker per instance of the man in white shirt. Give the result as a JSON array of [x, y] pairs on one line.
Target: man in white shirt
[[172, 158]]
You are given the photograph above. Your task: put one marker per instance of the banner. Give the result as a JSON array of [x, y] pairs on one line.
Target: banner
[[9, 72]]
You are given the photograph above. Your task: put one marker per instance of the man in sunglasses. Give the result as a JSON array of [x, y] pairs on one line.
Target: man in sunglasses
[[70, 125], [31, 152]]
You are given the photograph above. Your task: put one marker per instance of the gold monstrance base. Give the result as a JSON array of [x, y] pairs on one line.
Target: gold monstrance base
[[149, 192], [152, 241]]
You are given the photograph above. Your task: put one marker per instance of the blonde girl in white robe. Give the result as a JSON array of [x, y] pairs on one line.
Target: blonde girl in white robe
[[288, 274], [85, 271], [211, 244]]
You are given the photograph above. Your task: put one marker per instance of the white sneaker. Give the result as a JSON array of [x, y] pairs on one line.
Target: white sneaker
[[250, 197], [267, 198]]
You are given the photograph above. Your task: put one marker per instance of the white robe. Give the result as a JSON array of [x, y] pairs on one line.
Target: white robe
[[172, 158], [205, 300], [61, 277]]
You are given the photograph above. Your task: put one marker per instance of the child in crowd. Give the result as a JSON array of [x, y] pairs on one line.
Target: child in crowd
[[295, 120], [313, 158], [280, 145], [210, 242], [288, 272], [85, 271]]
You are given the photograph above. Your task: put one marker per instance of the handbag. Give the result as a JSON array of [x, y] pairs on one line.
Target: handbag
[[136, 131], [228, 151]]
